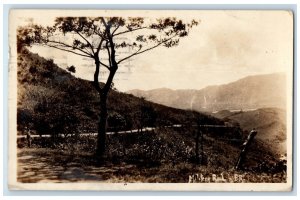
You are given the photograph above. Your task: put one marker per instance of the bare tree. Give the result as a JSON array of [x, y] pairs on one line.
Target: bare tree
[[101, 39]]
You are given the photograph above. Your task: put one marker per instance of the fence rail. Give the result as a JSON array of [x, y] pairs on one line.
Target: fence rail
[[130, 131]]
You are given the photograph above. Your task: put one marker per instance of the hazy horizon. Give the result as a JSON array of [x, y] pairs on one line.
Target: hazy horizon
[[209, 85]]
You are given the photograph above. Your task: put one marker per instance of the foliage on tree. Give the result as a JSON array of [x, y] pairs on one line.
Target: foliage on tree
[[71, 69]]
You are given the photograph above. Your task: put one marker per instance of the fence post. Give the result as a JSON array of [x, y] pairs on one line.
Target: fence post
[[202, 146], [245, 146], [197, 143]]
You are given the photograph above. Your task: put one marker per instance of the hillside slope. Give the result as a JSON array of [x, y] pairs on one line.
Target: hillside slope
[[49, 96], [269, 122], [248, 93]]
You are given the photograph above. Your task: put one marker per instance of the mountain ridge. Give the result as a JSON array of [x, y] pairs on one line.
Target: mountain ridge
[[255, 91]]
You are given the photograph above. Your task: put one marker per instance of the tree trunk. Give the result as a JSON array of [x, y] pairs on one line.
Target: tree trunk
[[101, 139], [103, 115], [103, 92]]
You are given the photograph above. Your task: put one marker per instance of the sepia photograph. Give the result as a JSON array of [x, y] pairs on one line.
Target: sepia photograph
[[155, 100]]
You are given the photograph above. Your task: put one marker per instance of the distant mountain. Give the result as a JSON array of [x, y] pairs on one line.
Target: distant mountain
[[269, 122], [248, 93]]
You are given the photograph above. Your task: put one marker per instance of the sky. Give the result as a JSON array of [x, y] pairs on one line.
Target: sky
[[224, 47]]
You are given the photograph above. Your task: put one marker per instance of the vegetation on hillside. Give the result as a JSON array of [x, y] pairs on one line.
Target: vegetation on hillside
[[52, 101], [269, 122]]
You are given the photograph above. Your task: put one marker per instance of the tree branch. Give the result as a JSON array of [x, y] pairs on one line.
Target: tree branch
[[135, 53], [69, 46], [105, 65], [115, 30], [105, 24], [108, 52], [114, 64], [96, 75], [150, 48], [132, 30], [89, 56], [99, 46], [86, 41]]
